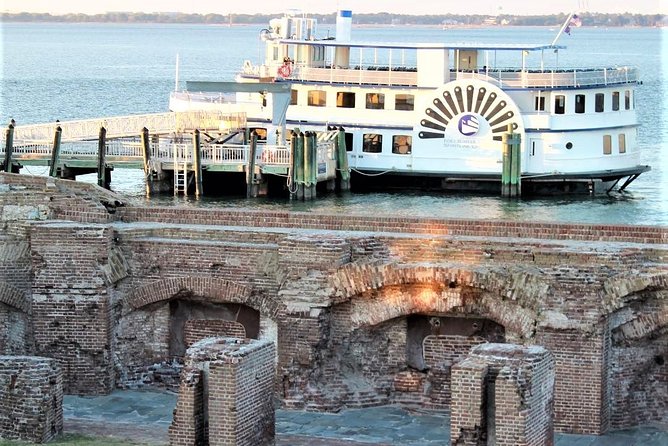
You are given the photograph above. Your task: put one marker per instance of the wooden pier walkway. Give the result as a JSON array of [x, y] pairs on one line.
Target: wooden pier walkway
[[174, 149]]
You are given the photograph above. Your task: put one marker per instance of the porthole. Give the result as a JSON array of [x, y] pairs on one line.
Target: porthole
[[569, 145]]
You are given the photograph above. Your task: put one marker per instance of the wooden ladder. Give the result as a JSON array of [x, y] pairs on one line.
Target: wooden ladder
[[180, 171]]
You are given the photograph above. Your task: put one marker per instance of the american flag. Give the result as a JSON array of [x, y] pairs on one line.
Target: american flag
[[574, 21]]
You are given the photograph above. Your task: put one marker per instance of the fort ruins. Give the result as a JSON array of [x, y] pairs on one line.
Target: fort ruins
[[562, 328]]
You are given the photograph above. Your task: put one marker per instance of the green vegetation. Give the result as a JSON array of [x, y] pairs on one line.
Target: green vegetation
[[75, 440], [383, 18]]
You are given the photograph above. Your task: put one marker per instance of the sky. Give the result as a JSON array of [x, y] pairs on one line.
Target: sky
[[516, 7]]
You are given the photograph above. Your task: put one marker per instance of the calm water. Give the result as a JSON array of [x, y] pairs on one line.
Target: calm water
[[73, 71]]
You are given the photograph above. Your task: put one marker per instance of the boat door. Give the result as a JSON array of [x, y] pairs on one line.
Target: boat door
[[534, 156]]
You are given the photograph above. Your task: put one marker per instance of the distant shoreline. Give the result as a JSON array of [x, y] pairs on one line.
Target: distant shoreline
[[364, 20]]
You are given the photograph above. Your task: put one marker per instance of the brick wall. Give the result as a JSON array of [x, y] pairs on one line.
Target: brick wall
[[580, 398], [503, 393], [93, 295], [236, 403], [71, 308], [198, 329], [31, 391]]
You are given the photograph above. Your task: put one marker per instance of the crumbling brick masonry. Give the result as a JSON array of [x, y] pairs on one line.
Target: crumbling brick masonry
[[226, 394], [31, 396], [363, 310]]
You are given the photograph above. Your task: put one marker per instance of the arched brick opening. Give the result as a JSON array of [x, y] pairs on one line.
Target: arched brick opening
[[380, 310], [159, 320], [15, 321], [638, 358]]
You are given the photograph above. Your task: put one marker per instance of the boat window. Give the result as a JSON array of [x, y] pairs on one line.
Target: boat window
[[559, 104], [579, 103], [294, 94], [607, 144], [615, 100], [402, 144], [345, 99], [599, 103], [372, 143], [539, 104], [622, 143], [349, 142], [317, 98], [404, 102], [375, 101], [627, 100]]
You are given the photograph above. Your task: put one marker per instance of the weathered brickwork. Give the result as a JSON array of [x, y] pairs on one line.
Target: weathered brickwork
[[109, 290], [237, 406], [71, 311], [31, 392], [198, 329], [503, 394]]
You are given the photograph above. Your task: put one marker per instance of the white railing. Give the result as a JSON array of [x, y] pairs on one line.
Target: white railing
[[274, 155], [167, 151], [355, 76], [132, 125], [576, 77]]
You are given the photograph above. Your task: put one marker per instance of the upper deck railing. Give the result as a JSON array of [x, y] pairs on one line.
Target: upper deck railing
[[503, 77]]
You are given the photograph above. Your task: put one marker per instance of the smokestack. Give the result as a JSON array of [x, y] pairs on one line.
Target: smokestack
[[344, 21]]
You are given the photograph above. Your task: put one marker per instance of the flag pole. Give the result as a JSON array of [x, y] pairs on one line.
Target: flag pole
[[564, 26]]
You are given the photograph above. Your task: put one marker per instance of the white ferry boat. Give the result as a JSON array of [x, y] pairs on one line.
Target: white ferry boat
[[435, 113]]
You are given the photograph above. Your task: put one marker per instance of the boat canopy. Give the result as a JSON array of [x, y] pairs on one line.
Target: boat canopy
[[435, 46]]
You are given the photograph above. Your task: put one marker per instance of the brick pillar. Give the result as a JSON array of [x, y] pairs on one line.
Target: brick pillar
[[31, 392], [581, 391], [71, 309], [187, 427], [467, 412], [236, 395]]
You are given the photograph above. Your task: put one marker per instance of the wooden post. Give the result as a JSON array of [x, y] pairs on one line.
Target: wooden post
[[146, 150], [308, 165], [506, 160], [102, 179], [293, 174], [299, 166], [314, 164], [9, 147], [197, 163], [342, 160], [515, 166], [55, 152], [250, 174]]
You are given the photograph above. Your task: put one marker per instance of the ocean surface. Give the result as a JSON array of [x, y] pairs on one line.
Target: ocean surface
[[60, 71]]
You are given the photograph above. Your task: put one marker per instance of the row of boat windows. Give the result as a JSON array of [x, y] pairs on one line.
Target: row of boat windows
[[347, 99], [607, 144], [580, 102]]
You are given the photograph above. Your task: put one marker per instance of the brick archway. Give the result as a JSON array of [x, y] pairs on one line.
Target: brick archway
[[14, 298], [215, 290], [440, 290]]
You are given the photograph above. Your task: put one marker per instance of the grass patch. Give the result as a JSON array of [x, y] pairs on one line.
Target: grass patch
[[75, 440]]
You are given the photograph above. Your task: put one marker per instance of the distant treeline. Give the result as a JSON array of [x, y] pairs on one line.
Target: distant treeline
[[588, 19]]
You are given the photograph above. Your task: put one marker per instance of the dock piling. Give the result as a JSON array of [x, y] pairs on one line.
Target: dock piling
[[9, 147], [292, 189], [197, 163], [342, 160], [251, 189], [55, 152], [102, 178], [299, 166], [512, 164]]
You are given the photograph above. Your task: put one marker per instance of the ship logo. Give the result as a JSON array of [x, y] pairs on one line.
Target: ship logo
[[468, 125], [468, 107]]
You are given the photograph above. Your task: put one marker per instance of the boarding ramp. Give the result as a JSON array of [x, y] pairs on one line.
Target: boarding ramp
[[131, 125]]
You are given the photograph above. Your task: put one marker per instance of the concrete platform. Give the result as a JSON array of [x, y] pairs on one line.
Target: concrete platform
[[145, 416]]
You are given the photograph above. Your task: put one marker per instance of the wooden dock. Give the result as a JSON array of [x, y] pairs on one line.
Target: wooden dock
[[177, 151]]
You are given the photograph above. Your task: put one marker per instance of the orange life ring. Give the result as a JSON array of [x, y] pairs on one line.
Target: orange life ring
[[285, 70]]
